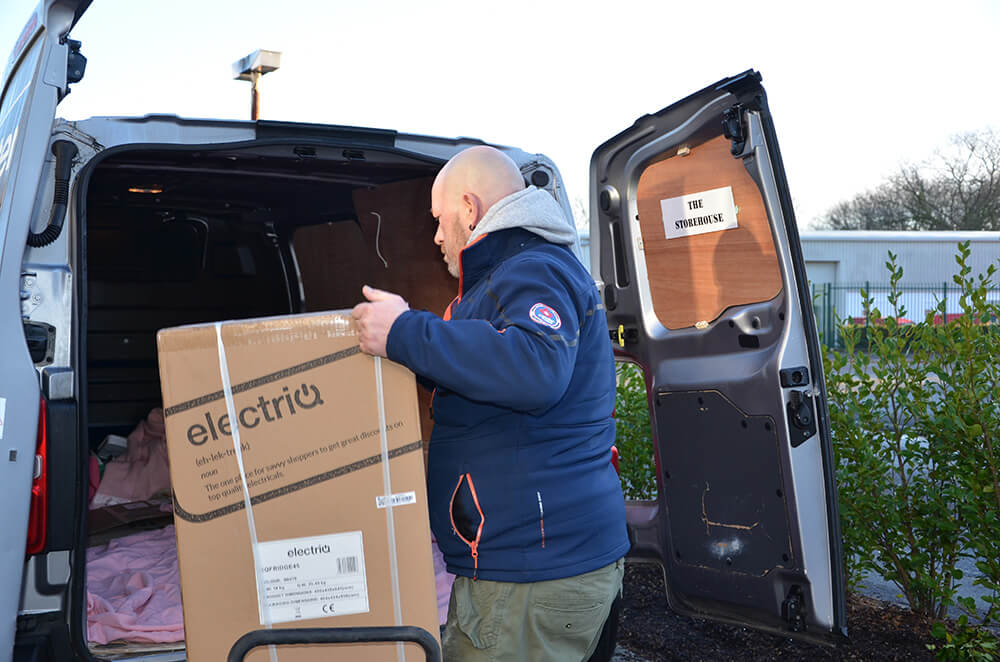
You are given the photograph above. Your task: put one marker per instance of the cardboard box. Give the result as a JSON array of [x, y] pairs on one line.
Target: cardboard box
[[306, 403]]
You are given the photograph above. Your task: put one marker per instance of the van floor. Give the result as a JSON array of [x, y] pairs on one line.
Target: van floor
[[123, 649]]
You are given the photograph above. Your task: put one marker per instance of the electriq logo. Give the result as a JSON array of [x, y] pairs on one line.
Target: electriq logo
[[308, 551], [251, 416], [545, 316], [7, 152]]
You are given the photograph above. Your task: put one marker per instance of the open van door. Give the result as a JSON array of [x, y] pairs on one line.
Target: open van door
[[695, 247], [42, 64]]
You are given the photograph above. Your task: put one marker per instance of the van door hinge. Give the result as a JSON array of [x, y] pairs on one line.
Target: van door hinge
[[793, 609], [734, 121], [734, 128], [798, 376], [76, 63], [801, 421], [41, 339]]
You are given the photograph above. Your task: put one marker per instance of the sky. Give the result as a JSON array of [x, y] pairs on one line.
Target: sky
[[855, 88]]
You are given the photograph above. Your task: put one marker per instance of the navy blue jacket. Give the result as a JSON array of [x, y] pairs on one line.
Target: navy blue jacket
[[521, 485]]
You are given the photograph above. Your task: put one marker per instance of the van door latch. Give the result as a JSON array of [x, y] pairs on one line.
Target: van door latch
[[801, 421], [624, 335], [793, 610]]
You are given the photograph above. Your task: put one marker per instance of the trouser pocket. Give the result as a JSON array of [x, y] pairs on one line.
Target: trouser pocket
[[569, 614], [477, 611]]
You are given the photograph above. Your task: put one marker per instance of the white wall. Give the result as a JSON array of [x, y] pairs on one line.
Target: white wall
[[849, 260], [927, 258]]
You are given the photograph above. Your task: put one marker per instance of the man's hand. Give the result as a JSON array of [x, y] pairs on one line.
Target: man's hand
[[374, 319]]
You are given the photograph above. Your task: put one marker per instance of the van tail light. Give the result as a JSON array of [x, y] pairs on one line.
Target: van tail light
[[39, 510]]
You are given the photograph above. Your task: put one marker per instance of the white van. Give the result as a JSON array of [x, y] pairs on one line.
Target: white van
[[112, 228]]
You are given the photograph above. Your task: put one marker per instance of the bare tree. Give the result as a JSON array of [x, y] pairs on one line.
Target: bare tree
[[957, 189]]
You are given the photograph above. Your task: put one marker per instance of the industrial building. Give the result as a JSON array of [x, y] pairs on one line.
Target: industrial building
[[840, 263]]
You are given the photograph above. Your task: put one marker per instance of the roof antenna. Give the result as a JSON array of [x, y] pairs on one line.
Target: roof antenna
[[378, 231]]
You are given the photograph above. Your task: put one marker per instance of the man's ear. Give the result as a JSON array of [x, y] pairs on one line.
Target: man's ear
[[472, 207]]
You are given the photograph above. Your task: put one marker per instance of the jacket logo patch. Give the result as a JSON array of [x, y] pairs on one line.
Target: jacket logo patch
[[545, 316]]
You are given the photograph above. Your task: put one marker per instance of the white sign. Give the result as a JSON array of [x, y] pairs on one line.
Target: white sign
[[313, 577], [397, 499], [698, 213], [3, 414]]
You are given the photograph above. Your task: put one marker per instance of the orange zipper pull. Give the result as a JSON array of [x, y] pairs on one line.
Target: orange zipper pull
[[475, 561]]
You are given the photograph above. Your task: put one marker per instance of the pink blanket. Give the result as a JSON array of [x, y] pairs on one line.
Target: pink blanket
[[133, 589], [143, 471]]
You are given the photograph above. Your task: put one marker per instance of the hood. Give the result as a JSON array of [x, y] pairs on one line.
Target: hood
[[531, 209]]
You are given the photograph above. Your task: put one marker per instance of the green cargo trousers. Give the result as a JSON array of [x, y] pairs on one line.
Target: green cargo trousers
[[558, 620]]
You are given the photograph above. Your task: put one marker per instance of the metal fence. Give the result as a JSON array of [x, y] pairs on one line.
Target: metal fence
[[833, 302]]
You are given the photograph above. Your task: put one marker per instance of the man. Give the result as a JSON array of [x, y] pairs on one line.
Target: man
[[524, 501]]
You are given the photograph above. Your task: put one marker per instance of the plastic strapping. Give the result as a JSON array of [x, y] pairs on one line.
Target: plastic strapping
[[390, 524], [263, 607]]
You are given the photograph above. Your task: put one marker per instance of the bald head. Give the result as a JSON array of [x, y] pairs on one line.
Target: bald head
[[479, 177], [467, 186]]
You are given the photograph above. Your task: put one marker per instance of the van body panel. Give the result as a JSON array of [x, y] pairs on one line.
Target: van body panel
[[34, 82]]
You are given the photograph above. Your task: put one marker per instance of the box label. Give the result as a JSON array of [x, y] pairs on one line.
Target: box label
[[400, 499], [698, 213], [314, 577], [3, 414]]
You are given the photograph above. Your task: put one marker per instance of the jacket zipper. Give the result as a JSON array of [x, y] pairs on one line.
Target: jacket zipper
[[474, 544]]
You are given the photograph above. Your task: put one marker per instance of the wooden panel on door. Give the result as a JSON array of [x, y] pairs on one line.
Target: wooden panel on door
[[696, 278]]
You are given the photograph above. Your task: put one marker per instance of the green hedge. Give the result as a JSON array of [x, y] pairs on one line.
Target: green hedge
[[634, 440], [916, 429]]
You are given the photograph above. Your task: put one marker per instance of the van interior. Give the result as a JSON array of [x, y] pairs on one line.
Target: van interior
[[187, 235]]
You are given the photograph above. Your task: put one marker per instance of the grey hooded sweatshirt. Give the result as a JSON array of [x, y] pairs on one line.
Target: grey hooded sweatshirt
[[531, 209]]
